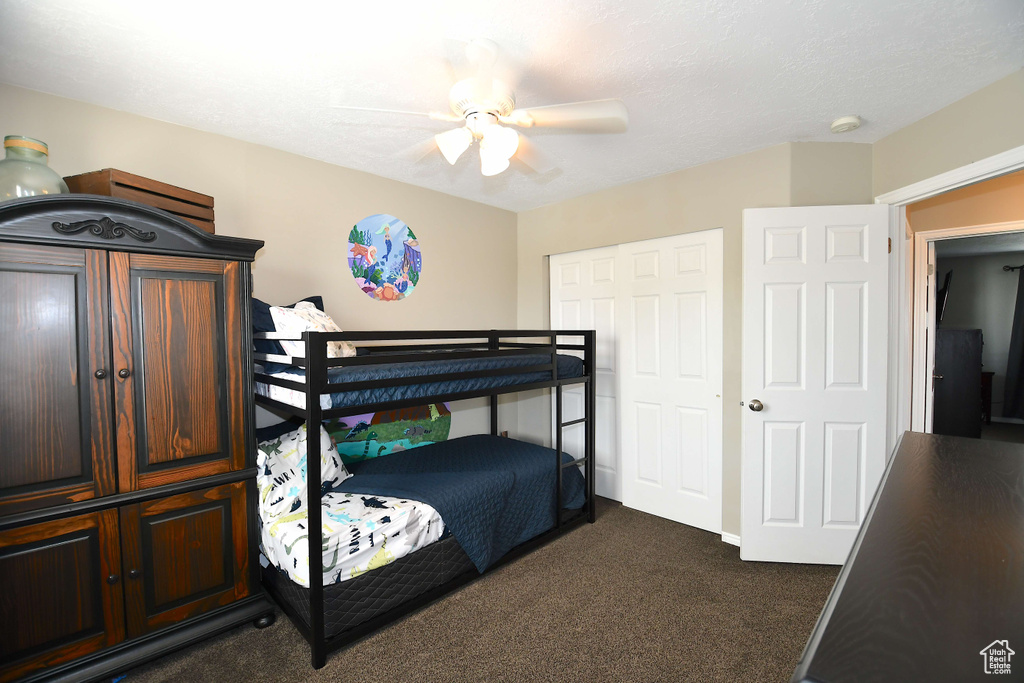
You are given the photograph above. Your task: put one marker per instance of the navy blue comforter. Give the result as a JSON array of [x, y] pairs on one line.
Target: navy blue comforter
[[493, 493]]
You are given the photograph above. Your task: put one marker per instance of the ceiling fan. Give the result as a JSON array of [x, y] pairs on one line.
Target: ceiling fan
[[487, 106]]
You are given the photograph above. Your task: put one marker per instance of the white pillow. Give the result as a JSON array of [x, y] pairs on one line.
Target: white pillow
[[307, 317], [282, 472]]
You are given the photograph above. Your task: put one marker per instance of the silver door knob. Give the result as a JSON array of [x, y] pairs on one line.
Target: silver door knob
[[756, 406]]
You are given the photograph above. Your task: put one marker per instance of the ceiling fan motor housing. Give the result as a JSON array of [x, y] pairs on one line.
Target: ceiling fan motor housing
[[480, 95], [478, 121]]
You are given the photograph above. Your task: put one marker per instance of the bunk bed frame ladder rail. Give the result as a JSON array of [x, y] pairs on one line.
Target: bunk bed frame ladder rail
[[316, 384], [316, 373], [589, 434]]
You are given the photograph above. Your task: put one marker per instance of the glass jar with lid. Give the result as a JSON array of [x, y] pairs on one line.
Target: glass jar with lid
[[24, 171]]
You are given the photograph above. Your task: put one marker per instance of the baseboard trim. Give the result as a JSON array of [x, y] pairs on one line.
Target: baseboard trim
[[731, 539], [1008, 420]]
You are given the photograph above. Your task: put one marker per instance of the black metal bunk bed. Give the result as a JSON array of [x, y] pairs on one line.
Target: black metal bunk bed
[[398, 588]]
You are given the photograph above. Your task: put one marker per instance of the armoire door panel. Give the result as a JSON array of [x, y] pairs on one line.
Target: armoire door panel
[[182, 389], [184, 555], [55, 406], [69, 570], [176, 328]]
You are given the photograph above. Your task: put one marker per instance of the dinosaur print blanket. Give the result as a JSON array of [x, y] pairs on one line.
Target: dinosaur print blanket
[[359, 532], [492, 492]]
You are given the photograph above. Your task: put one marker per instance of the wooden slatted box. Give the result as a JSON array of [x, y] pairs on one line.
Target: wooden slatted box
[[194, 207]]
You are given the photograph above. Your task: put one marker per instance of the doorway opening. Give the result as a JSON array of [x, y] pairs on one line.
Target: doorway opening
[[977, 289], [966, 322]]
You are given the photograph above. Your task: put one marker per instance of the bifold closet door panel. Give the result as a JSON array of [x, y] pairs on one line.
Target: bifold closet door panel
[[177, 350], [184, 555], [62, 594], [54, 361]]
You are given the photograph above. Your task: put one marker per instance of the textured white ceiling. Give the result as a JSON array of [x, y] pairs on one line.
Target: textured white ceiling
[[702, 80]]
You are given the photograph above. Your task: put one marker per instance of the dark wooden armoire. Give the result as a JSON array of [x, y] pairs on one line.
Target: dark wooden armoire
[[128, 524]]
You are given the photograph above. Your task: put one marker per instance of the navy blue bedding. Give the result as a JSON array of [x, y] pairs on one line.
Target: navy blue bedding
[[568, 366], [493, 493]]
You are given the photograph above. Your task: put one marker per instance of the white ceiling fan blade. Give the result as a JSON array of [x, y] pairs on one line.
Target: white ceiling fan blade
[[596, 116], [471, 57], [453, 143], [483, 55], [529, 155], [435, 115], [420, 151]]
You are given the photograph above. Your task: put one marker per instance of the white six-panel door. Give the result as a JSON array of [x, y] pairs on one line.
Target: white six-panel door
[[815, 323], [583, 297], [671, 377], [657, 308]]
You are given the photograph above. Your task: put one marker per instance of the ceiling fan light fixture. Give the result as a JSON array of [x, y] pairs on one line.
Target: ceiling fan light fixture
[[453, 143], [490, 163], [500, 141], [486, 103]]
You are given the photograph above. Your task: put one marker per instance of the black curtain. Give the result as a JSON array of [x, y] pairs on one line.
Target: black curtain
[[1013, 397]]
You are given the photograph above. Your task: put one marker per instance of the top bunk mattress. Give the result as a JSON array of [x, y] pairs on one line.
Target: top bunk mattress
[[568, 367]]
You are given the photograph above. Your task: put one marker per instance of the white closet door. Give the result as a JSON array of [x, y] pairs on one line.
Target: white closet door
[[583, 297], [670, 380], [815, 328]]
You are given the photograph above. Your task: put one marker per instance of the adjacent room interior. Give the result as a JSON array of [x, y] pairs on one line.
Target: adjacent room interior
[[598, 340], [974, 318]]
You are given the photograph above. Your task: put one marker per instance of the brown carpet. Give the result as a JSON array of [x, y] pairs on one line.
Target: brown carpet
[[630, 598]]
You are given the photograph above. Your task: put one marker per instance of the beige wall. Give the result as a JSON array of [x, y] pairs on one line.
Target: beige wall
[[980, 125], [708, 196], [826, 173], [292, 202], [997, 200]]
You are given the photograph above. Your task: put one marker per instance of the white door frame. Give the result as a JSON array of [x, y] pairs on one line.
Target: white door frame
[[924, 319], [902, 347]]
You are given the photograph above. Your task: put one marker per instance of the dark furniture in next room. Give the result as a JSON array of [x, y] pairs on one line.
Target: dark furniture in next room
[[957, 379], [986, 396]]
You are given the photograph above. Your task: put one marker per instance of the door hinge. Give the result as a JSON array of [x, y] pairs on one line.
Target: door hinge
[[890, 245], [931, 269]]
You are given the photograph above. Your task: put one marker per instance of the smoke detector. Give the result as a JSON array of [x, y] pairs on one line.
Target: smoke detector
[[844, 124]]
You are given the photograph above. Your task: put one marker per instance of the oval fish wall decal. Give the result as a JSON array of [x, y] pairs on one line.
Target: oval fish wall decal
[[384, 256]]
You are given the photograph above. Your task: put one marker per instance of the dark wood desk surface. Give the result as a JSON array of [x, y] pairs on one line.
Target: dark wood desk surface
[[936, 573]]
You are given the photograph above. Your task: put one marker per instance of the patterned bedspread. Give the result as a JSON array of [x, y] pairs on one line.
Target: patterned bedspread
[[492, 492], [360, 533]]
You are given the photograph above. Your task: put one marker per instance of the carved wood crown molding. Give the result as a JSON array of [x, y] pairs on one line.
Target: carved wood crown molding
[[106, 228]]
